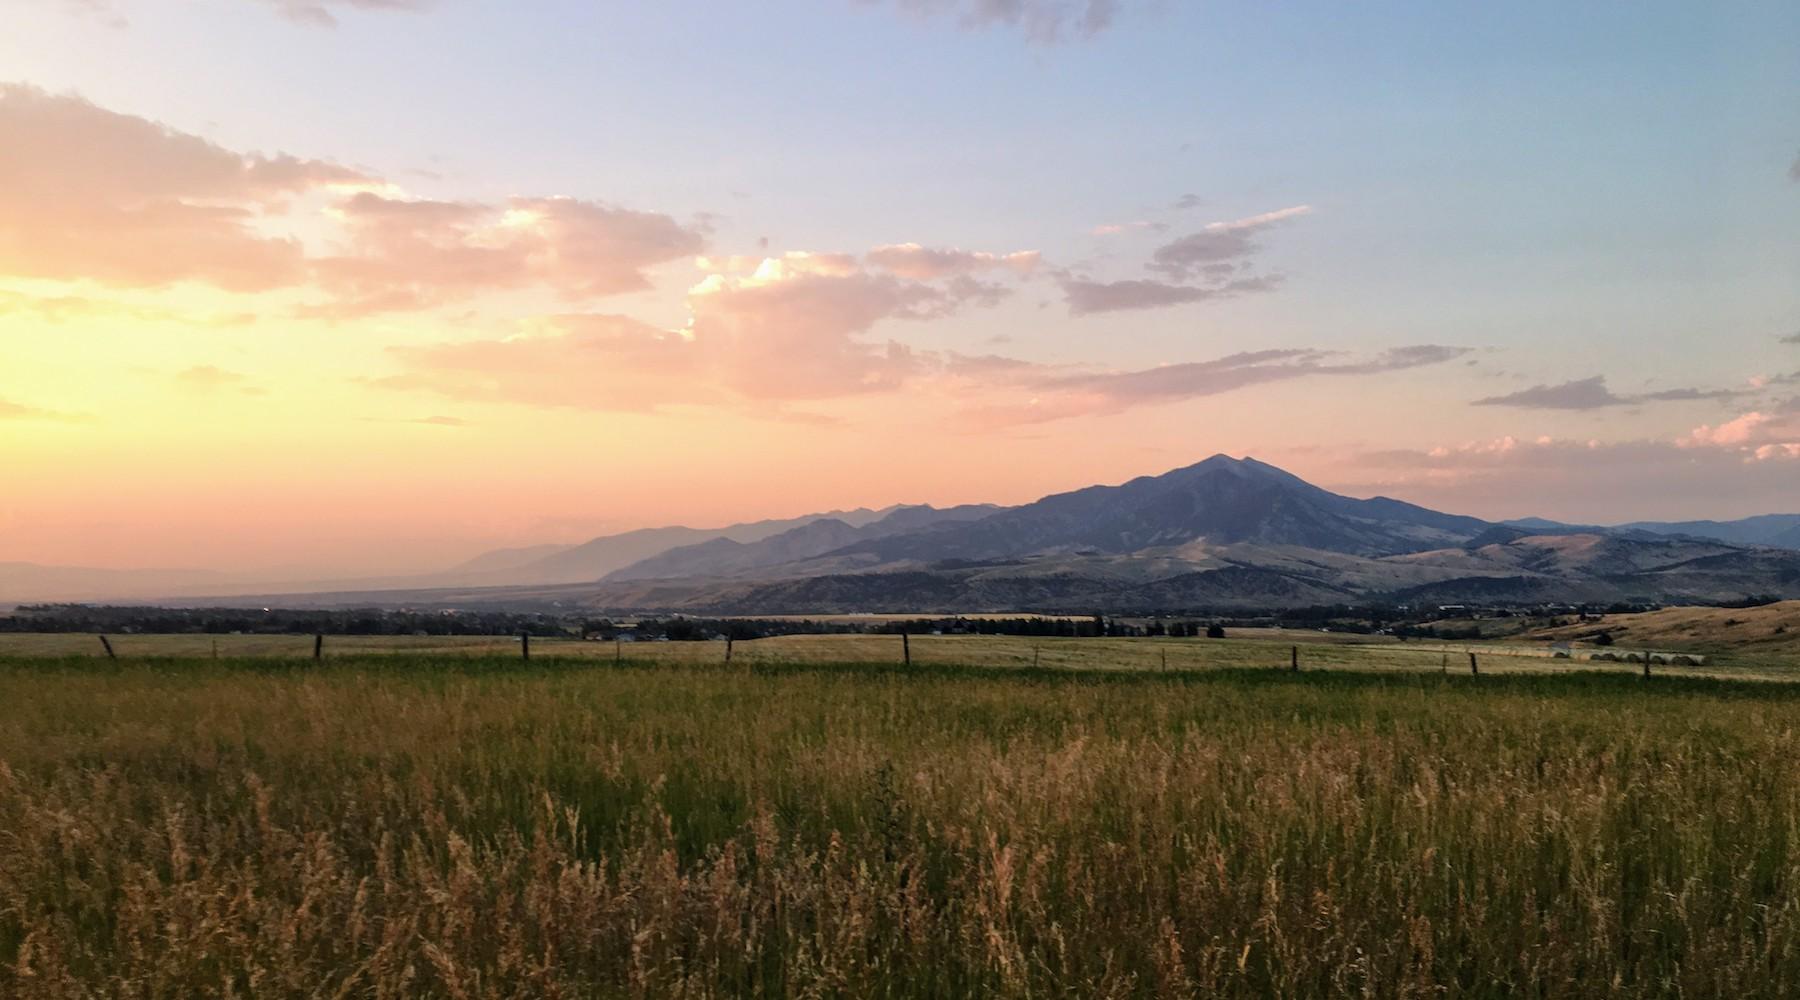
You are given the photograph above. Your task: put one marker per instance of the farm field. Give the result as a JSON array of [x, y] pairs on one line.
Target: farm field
[[1246, 647], [423, 825]]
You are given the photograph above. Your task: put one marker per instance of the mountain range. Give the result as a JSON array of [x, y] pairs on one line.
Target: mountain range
[[1225, 533]]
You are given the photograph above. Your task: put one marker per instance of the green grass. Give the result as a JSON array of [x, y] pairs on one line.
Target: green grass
[[407, 825]]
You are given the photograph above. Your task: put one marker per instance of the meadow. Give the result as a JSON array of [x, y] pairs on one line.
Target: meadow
[[418, 824]]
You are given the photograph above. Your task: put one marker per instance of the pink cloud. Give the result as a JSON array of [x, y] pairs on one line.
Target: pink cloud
[[410, 254], [919, 263], [89, 193], [796, 327], [1591, 479]]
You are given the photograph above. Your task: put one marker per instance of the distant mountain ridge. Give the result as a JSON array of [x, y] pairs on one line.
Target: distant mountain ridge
[[1224, 533], [726, 556], [1780, 531]]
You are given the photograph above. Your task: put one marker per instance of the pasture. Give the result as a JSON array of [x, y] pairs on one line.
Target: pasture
[[1244, 647], [427, 825]]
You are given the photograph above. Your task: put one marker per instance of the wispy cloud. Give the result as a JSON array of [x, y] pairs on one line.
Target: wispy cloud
[[1055, 395], [920, 263], [1593, 394], [1085, 297], [1214, 262], [10, 410], [1045, 21]]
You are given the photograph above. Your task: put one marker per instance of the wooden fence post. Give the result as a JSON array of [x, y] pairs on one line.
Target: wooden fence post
[[318, 646], [108, 647], [1165, 658], [1474, 668], [1034, 657], [618, 652], [1646, 664], [1294, 660], [728, 649], [525, 645], [906, 648]]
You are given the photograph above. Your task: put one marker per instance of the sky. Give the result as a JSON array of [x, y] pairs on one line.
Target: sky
[[369, 286]]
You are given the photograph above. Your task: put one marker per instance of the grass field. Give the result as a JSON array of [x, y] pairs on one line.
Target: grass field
[[413, 825], [1268, 647]]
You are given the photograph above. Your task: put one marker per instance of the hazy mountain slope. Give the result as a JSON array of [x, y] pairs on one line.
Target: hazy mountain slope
[[1779, 530], [1774, 530], [597, 557], [501, 560], [725, 557]]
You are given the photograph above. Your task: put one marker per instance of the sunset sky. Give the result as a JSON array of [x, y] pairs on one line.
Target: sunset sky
[[369, 286]]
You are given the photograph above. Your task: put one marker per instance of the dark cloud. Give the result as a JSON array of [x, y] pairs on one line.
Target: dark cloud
[[1086, 297], [1187, 201], [1593, 394], [1215, 262], [1581, 394], [1057, 395], [1792, 338]]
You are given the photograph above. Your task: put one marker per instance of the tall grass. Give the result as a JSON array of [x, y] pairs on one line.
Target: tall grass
[[400, 827]]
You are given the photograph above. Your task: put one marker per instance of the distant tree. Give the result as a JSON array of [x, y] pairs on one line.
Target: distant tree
[[1603, 639], [1215, 631]]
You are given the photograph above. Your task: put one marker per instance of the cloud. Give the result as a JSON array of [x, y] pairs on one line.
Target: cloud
[[410, 254], [1213, 263], [793, 328], [1597, 481], [1056, 395], [320, 12], [10, 410], [1581, 394], [1115, 228], [1792, 338], [80, 308], [1218, 242], [1758, 435], [211, 378], [1794, 170], [1186, 202], [910, 260], [1045, 21], [1086, 297], [1593, 394], [89, 193]]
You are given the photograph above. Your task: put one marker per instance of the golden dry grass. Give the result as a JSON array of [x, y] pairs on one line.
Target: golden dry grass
[[1772, 629], [1244, 648], [407, 826]]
